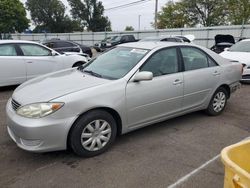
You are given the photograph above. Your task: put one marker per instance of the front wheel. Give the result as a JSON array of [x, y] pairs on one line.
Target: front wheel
[[78, 64], [218, 102], [93, 133]]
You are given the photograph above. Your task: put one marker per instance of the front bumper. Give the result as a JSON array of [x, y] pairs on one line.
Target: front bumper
[[246, 75], [38, 135]]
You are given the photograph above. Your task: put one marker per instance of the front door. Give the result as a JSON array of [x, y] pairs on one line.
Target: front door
[[38, 60], [152, 100]]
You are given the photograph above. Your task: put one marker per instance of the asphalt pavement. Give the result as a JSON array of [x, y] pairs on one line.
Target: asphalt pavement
[[169, 153]]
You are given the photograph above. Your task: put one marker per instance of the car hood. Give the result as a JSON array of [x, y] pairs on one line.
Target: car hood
[[242, 57], [51, 86], [224, 38]]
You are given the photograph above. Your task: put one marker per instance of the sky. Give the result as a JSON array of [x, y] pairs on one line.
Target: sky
[[129, 16]]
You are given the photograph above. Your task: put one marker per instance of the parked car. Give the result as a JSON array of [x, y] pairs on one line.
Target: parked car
[[115, 40], [240, 52], [222, 42], [162, 39], [63, 46], [23, 60], [169, 38], [126, 88]]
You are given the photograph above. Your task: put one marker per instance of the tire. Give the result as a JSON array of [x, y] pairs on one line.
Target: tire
[[86, 139], [78, 64], [218, 102]]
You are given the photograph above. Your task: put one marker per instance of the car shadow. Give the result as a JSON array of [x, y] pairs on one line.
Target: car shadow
[[8, 88]]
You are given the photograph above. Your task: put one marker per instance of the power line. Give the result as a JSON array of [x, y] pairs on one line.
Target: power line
[[127, 5]]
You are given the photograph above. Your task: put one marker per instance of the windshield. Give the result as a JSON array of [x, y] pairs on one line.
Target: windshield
[[115, 63], [243, 46], [116, 38]]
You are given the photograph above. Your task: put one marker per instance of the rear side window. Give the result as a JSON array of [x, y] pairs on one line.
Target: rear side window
[[7, 50], [194, 58], [62, 44], [34, 50]]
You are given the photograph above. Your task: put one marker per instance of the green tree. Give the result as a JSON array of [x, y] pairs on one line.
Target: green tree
[[129, 28], [206, 12], [238, 11], [174, 15], [12, 16], [49, 15], [91, 14]]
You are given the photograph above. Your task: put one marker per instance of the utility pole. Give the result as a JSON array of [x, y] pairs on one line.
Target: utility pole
[[139, 22], [156, 11]]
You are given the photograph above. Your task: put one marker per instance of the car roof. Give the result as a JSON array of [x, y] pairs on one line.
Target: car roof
[[17, 41], [152, 45]]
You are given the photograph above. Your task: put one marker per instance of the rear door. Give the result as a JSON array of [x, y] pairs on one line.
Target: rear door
[[38, 60], [151, 100], [201, 77], [12, 66]]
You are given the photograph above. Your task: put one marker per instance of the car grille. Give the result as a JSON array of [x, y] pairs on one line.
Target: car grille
[[15, 104]]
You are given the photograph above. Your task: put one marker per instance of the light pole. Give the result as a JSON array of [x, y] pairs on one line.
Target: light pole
[[139, 22], [156, 10]]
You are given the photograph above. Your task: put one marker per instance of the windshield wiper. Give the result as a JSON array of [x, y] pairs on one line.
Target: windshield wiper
[[93, 73]]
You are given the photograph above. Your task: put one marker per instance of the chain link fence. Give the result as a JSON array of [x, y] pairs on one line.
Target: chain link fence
[[203, 36]]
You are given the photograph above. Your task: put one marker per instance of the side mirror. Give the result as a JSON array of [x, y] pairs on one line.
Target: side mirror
[[143, 76], [226, 49], [53, 53]]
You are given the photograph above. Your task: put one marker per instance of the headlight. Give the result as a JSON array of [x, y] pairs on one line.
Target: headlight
[[38, 110], [109, 44]]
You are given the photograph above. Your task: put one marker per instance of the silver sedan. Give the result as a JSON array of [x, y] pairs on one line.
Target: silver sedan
[[126, 88]]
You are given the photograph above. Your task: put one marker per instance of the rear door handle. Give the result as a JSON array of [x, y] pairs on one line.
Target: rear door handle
[[177, 81], [29, 62], [216, 73]]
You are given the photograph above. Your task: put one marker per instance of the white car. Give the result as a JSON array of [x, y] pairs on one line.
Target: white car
[[240, 52], [23, 60]]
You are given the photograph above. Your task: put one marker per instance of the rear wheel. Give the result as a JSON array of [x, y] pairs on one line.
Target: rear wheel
[[93, 133], [218, 102]]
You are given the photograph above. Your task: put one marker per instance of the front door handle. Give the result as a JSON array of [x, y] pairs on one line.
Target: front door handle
[[216, 73], [177, 81], [29, 62]]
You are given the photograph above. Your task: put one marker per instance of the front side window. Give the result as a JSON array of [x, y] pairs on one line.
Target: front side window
[[194, 58], [162, 62], [34, 50], [7, 50], [115, 63]]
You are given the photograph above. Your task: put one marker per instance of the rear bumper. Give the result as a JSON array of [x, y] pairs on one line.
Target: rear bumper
[[245, 78]]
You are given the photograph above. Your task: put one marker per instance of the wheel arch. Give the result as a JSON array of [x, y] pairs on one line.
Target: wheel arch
[[113, 112], [227, 88], [78, 62]]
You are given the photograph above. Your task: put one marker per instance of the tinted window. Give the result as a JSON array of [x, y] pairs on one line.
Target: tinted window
[[62, 44], [34, 50], [162, 62], [194, 58], [50, 44], [7, 50]]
